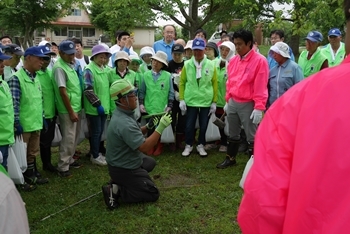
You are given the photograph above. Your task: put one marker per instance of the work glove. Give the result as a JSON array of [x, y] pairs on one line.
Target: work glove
[[100, 110], [18, 128], [164, 122], [177, 96], [256, 116], [142, 109], [182, 105], [225, 108], [152, 122], [212, 108]]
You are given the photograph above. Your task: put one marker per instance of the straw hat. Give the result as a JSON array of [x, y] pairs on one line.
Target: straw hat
[[161, 57]]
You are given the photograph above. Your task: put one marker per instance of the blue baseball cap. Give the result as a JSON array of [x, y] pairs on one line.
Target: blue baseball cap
[[334, 32], [314, 36], [67, 47], [198, 44], [2, 55], [35, 51], [47, 50]]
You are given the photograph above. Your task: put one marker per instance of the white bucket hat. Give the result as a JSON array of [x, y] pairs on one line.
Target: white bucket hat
[[280, 48], [189, 45], [161, 57], [121, 55]]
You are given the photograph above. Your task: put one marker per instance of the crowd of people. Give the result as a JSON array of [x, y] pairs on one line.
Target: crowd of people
[[170, 84]]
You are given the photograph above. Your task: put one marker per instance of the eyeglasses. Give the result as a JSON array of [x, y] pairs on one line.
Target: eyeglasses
[[169, 32], [132, 94], [274, 38], [332, 37]]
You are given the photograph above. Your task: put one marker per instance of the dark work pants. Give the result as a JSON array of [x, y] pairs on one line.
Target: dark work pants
[[179, 121], [135, 185], [46, 138]]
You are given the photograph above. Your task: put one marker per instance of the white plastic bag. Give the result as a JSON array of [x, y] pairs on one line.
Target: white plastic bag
[[84, 129], [14, 169], [104, 133], [20, 151], [226, 129], [58, 137], [167, 135], [137, 112], [213, 132], [247, 168]]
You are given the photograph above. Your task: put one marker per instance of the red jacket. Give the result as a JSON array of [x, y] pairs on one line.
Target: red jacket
[[247, 79], [299, 182]]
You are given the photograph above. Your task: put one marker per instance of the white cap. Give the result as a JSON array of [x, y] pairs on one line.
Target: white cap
[[280, 48], [44, 42], [189, 45]]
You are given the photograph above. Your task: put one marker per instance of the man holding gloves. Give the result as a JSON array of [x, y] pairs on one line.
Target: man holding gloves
[[246, 94], [198, 91]]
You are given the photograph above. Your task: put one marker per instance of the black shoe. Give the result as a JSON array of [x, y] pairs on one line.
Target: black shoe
[[75, 165], [27, 187], [243, 147], [65, 174], [226, 163], [109, 197], [49, 168], [40, 181]]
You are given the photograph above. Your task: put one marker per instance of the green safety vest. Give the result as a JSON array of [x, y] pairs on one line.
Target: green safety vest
[[143, 67], [73, 88], [100, 87], [139, 79], [113, 76], [31, 103], [6, 115], [45, 78], [199, 94], [313, 65], [157, 92], [222, 78], [338, 58]]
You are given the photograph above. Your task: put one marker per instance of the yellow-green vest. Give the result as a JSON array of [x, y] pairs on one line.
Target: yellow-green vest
[[199, 93], [45, 78], [222, 78], [31, 102], [73, 88], [313, 65], [100, 87], [338, 58], [6, 115], [157, 92]]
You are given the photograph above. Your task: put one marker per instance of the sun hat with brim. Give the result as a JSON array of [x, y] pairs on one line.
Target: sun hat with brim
[[314, 36], [4, 56], [136, 58], [280, 48], [161, 56], [121, 88], [36, 51], [47, 50], [14, 49], [99, 49], [67, 47], [189, 45], [121, 55]]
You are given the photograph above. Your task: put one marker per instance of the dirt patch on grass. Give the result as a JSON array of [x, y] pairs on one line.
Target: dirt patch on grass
[[177, 180]]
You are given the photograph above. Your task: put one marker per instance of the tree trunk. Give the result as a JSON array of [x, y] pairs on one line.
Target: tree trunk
[[294, 44]]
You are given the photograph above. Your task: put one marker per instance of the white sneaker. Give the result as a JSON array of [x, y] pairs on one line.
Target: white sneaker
[[187, 150], [223, 148], [201, 151], [101, 155], [99, 161]]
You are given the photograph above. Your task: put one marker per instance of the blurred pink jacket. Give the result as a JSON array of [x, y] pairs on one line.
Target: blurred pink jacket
[[247, 79], [300, 180]]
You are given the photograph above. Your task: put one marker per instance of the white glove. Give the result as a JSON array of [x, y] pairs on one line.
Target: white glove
[[256, 116], [177, 96], [212, 108], [225, 108], [182, 105], [167, 109], [142, 109]]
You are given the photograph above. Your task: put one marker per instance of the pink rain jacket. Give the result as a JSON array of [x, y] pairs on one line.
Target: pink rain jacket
[[247, 79], [300, 180]]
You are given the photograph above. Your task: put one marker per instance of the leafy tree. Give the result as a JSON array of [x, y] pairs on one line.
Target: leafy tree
[[23, 17]]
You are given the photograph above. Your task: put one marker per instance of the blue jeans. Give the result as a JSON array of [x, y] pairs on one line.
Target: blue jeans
[[96, 127], [191, 117], [4, 149]]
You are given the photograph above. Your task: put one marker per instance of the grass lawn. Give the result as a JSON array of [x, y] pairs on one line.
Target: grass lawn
[[195, 198]]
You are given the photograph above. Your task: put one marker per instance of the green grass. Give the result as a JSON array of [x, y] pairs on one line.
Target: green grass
[[195, 198]]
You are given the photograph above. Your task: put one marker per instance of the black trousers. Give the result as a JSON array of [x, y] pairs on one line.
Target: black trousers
[[135, 185], [179, 121], [46, 138]]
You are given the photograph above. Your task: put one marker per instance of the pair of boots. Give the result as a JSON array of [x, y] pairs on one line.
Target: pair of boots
[[232, 150], [32, 175], [156, 150]]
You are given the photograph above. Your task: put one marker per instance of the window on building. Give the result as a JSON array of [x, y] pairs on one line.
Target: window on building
[[61, 32], [88, 32], [76, 12]]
